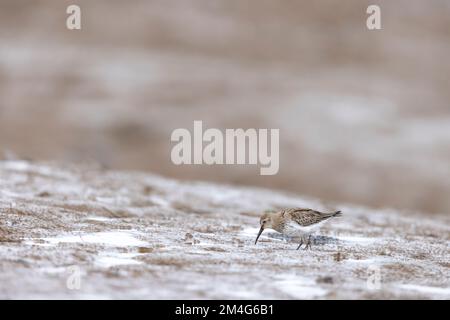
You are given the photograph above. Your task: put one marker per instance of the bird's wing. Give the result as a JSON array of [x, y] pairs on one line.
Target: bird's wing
[[307, 217]]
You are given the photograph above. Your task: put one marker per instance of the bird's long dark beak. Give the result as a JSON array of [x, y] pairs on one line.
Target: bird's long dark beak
[[259, 233]]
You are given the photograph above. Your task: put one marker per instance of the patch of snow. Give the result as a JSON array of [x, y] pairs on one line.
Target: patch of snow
[[160, 201], [371, 261], [111, 238], [427, 289], [112, 259], [253, 232], [8, 194], [299, 287], [358, 240], [16, 165], [101, 219], [116, 201], [54, 270], [35, 242], [250, 232], [25, 166]]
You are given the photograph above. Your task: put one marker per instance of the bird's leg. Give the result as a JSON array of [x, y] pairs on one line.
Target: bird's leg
[[308, 243], [299, 246], [303, 241]]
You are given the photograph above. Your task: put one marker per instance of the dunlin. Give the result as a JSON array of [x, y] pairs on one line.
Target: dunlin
[[295, 222]]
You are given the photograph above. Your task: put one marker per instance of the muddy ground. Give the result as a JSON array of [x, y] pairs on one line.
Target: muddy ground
[[86, 232]]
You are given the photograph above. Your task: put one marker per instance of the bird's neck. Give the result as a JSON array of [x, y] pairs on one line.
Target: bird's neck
[[277, 222]]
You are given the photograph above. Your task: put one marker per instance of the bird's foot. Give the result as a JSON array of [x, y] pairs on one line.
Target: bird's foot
[[308, 244]]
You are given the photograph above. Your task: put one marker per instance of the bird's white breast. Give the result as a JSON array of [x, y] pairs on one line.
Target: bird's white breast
[[292, 228]]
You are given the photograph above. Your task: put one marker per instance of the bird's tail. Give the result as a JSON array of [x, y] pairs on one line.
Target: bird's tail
[[337, 214]]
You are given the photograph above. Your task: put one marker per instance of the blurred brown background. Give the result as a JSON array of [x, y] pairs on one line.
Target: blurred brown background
[[364, 116]]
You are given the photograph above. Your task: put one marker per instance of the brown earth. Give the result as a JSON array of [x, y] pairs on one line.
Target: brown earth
[[138, 235]]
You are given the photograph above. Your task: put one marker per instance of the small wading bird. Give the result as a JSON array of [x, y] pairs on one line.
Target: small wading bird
[[295, 222]]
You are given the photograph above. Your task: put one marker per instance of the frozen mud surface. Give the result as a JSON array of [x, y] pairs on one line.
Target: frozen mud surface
[[82, 232]]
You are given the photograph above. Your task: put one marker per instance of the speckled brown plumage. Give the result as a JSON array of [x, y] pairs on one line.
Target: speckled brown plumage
[[295, 222], [307, 217]]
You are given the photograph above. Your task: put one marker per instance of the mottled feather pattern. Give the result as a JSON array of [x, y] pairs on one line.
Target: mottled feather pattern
[[295, 222], [307, 217]]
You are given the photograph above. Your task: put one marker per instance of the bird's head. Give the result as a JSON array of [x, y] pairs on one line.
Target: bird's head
[[266, 221]]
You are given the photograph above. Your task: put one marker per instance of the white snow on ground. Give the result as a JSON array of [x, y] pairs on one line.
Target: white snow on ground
[[358, 239], [267, 234], [112, 259], [100, 219], [426, 290], [198, 242], [299, 287], [372, 261], [53, 270], [114, 238]]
